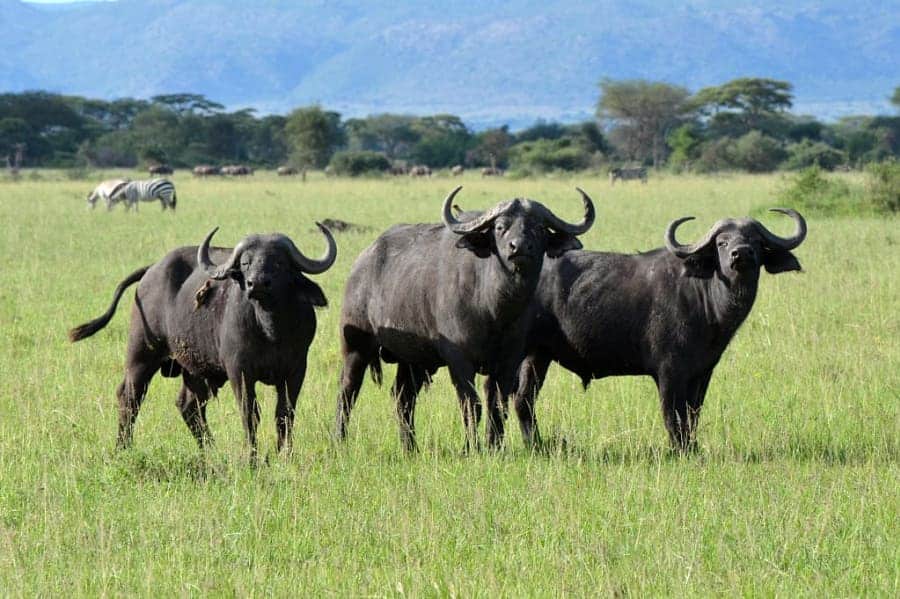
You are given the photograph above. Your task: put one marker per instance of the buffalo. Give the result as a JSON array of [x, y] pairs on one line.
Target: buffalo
[[287, 171], [160, 169], [456, 294], [211, 315], [668, 313], [491, 171], [457, 170], [420, 170], [206, 170]]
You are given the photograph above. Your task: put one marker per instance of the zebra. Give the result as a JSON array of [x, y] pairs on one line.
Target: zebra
[[146, 191], [626, 174], [105, 190]]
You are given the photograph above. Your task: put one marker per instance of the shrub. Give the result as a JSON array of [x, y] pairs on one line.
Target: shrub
[[715, 155], [354, 164], [546, 155], [757, 153], [883, 186], [811, 192], [808, 153]]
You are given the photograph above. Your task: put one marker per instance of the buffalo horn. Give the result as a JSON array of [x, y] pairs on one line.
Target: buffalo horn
[[683, 251], [207, 265], [561, 226], [789, 243], [308, 265]]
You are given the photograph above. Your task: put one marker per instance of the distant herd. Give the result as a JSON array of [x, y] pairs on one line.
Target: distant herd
[[502, 292]]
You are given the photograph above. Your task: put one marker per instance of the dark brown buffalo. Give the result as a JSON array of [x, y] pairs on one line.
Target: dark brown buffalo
[[242, 315]]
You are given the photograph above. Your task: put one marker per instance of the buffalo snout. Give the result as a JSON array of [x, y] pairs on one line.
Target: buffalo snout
[[743, 258]]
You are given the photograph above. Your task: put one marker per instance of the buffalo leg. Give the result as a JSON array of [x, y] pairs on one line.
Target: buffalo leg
[[532, 373], [131, 394], [352, 375], [192, 401], [406, 389], [673, 395], [463, 376], [287, 405], [697, 394], [245, 393], [496, 412]]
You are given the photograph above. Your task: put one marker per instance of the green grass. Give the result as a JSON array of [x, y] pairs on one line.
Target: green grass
[[794, 491]]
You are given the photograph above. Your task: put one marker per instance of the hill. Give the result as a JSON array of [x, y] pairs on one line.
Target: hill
[[514, 61]]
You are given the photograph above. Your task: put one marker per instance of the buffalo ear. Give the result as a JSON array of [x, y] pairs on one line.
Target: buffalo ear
[[700, 265], [310, 293], [560, 243], [477, 242], [777, 261]]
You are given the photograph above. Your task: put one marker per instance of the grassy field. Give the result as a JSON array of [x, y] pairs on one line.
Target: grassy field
[[794, 491]]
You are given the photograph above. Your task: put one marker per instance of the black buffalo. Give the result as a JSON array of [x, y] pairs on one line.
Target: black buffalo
[[248, 319], [455, 294], [668, 313]]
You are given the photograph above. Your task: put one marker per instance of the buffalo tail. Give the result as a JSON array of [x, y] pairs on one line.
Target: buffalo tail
[[89, 328]]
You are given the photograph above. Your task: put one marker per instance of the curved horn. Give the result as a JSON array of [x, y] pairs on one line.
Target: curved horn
[[783, 243], [207, 265], [308, 265], [556, 223], [683, 251]]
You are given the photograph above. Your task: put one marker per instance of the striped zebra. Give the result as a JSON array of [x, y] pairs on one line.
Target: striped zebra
[[105, 190], [146, 191]]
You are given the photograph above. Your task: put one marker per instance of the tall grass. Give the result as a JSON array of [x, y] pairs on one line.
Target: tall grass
[[793, 492]]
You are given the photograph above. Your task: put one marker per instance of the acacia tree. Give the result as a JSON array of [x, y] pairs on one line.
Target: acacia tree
[[895, 99], [749, 100], [642, 113]]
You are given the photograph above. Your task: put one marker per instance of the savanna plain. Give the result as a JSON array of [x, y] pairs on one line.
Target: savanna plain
[[794, 490]]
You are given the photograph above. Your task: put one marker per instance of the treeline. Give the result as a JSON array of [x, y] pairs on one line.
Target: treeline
[[744, 124]]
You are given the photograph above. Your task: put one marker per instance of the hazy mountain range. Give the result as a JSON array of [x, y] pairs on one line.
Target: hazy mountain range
[[489, 62]]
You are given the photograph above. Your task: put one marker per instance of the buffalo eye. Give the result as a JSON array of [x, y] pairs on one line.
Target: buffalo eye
[[499, 227], [722, 243]]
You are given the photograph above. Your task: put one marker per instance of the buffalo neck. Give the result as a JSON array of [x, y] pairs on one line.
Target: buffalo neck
[[729, 302], [509, 291]]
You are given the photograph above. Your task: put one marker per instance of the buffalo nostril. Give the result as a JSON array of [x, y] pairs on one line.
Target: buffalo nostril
[[512, 246], [249, 283]]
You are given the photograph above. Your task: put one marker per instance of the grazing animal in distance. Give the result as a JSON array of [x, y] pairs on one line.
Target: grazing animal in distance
[[457, 170], [147, 190], [216, 315], [206, 170], [160, 169], [105, 191], [491, 171], [668, 313], [420, 170], [236, 170], [456, 294], [627, 174], [285, 171]]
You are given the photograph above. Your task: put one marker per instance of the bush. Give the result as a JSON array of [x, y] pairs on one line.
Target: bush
[[883, 186], [546, 155], [811, 192], [354, 164], [808, 153], [715, 155], [757, 153]]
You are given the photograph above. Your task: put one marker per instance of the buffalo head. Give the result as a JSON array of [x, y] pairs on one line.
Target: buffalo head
[[518, 231], [737, 248], [270, 267]]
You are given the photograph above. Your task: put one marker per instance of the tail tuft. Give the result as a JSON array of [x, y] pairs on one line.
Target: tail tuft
[[375, 371]]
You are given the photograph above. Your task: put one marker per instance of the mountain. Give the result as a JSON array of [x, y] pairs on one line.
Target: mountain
[[513, 61]]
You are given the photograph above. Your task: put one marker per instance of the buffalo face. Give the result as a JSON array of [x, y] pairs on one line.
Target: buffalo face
[[270, 268], [737, 248], [519, 232]]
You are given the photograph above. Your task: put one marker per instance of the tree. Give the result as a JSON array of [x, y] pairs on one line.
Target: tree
[[392, 134], [187, 103], [748, 100], [313, 135], [895, 99], [642, 112], [491, 149]]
